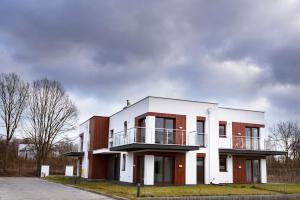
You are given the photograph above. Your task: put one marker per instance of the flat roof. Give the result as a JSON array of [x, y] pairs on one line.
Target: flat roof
[[176, 99]]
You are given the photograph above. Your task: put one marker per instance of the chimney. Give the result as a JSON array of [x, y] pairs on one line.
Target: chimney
[[127, 104]]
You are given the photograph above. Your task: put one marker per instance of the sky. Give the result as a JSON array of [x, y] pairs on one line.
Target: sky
[[243, 54]]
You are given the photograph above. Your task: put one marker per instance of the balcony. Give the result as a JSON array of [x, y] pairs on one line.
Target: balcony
[[141, 138], [250, 145]]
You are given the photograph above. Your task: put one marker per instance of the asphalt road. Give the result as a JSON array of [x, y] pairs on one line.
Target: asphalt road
[[37, 189]]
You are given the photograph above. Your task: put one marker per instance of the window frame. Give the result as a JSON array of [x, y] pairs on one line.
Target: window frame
[[225, 133], [124, 162], [125, 128], [203, 123], [225, 166]]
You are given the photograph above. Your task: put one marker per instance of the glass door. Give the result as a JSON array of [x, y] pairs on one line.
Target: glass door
[[141, 131], [248, 138], [253, 171], [164, 130], [163, 170]]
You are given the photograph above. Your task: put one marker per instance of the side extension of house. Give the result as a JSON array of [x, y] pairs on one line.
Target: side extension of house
[[158, 141]]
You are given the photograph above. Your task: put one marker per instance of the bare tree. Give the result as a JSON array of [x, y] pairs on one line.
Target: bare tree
[[51, 114], [13, 100], [288, 133]]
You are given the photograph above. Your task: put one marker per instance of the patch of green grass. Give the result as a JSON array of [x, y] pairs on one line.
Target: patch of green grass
[[128, 191], [280, 188]]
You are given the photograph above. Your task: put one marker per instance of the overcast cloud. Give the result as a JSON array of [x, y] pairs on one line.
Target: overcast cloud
[[239, 53]]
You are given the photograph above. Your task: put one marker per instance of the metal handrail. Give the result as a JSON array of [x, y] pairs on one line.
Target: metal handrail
[[251, 143], [156, 136]]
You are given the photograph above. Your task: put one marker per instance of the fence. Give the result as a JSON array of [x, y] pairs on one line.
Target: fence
[[283, 175], [27, 167]]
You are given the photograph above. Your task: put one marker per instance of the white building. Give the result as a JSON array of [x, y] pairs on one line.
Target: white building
[[173, 141]]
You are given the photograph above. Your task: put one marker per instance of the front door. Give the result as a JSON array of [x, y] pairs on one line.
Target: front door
[[163, 169], [200, 170]]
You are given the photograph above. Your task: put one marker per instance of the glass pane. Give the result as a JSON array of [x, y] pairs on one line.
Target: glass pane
[[256, 173], [200, 126], [255, 132], [222, 164], [248, 171], [159, 132], [248, 138], [159, 136], [221, 130], [170, 134], [168, 169], [170, 131], [158, 169], [200, 139], [159, 122], [169, 123]]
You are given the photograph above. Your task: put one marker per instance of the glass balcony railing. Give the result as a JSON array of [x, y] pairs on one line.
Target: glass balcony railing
[[250, 143], [157, 136]]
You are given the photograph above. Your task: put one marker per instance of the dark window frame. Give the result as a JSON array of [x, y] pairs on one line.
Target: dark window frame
[[203, 122], [225, 133], [224, 158], [125, 128], [124, 162]]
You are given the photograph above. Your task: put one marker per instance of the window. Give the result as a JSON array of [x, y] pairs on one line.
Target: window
[[223, 166], [200, 134], [124, 162], [125, 128], [164, 130], [252, 138], [222, 130], [112, 133], [200, 126]]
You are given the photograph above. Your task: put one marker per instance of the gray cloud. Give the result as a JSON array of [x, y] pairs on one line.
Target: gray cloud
[[235, 52]]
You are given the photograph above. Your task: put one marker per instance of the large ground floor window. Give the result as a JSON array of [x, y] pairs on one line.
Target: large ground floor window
[[163, 169], [253, 171]]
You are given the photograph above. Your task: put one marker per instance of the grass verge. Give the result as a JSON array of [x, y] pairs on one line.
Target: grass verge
[[129, 192]]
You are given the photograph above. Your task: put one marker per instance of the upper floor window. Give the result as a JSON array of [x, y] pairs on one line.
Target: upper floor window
[[200, 126], [223, 164], [164, 130], [81, 142], [124, 162], [125, 127], [252, 132], [222, 130]]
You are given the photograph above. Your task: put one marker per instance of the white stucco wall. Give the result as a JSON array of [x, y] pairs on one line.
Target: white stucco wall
[[227, 177], [127, 175], [263, 170], [116, 121], [191, 167], [149, 170]]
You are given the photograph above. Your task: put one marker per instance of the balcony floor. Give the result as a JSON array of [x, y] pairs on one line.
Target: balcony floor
[[251, 152], [143, 146]]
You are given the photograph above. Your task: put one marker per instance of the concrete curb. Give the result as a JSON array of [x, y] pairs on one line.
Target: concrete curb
[[246, 197]]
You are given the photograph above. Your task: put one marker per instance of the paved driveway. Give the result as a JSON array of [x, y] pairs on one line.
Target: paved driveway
[[38, 189]]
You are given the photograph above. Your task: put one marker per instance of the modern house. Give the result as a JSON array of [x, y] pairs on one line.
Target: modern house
[[172, 141]]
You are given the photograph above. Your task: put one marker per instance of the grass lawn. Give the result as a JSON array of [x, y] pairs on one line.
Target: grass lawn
[[129, 192], [281, 188]]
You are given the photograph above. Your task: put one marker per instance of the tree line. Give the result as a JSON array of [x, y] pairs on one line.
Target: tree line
[[42, 110]]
